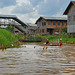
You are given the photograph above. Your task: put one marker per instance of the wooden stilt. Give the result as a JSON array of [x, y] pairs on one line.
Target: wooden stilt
[[2, 46]]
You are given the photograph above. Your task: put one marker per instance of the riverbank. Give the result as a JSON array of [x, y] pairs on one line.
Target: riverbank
[[65, 38], [11, 40]]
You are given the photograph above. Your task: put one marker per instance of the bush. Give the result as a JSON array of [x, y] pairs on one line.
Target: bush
[[38, 38], [55, 37], [64, 29]]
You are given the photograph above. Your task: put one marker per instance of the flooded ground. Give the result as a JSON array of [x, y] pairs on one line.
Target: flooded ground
[[28, 60]]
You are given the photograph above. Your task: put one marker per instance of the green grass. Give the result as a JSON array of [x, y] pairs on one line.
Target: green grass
[[7, 38], [64, 38], [68, 39], [51, 38]]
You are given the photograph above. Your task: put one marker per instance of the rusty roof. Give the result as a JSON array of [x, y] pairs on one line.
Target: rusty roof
[[73, 2], [32, 27], [69, 6], [52, 18]]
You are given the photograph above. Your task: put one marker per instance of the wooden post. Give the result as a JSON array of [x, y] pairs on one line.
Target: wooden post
[[2, 46], [24, 36]]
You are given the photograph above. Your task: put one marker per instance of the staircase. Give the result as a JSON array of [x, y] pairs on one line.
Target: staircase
[[19, 25]]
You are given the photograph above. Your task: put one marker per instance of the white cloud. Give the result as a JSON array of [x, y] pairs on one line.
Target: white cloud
[[59, 14], [58, 0], [45, 1], [48, 7], [29, 18], [7, 10], [23, 7], [19, 2], [31, 10]]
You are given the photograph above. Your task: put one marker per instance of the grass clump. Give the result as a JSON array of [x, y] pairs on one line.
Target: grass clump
[[7, 38]]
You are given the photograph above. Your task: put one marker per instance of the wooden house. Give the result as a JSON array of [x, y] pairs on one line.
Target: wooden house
[[70, 12], [32, 29], [51, 25]]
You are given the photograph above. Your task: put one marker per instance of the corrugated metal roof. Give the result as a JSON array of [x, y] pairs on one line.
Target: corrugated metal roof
[[30, 24], [33, 28], [54, 18], [8, 15]]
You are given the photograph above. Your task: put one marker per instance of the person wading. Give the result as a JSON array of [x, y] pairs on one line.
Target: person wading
[[46, 44], [60, 43], [2, 46]]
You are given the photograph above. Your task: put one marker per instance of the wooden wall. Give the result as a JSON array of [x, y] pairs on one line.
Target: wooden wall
[[57, 28], [71, 20]]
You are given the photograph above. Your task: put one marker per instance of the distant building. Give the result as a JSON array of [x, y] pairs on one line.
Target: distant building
[[51, 25], [32, 29], [70, 12]]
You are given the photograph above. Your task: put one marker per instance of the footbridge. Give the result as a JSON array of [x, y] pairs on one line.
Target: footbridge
[[12, 20]]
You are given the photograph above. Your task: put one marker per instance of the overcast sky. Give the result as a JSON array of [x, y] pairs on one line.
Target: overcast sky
[[30, 10]]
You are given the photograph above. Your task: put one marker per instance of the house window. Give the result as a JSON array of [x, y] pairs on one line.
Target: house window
[[66, 23], [58, 22], [49, 22], [42, 30], [25, 27], [54, 22], [43, 23], [74, 18], [37, 23], [62, 23], [40, 23]]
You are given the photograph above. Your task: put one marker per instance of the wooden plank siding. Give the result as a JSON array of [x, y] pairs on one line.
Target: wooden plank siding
[[71, 21], [70, 12]]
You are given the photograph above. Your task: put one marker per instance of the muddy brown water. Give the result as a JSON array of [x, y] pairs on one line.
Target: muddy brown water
[[36, 61]]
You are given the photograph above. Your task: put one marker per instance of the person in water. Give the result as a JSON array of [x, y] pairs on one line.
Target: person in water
[[46, 44], [60, 42]]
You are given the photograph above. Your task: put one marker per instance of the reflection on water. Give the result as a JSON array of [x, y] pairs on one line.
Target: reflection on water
[[30, 60]]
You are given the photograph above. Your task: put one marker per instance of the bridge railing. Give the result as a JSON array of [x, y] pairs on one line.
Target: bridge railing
[[9, 23]]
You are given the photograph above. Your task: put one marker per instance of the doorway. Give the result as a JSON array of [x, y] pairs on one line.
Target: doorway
[[50, 30]]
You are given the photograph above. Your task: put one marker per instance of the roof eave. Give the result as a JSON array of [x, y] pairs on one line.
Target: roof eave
[[67, 9], [39, 19]]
